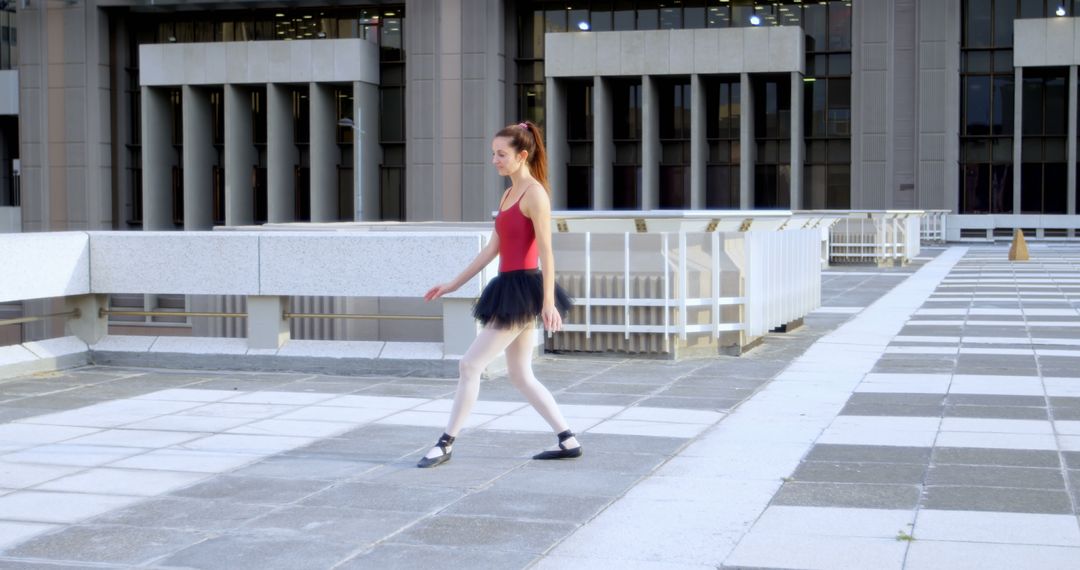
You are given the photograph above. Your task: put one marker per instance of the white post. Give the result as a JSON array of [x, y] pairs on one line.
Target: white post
[[90, 326], [459, 326], [267, 326]]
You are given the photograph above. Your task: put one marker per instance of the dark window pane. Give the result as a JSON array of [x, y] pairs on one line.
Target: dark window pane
[[839, 26], [670, 18], [815, 99], [624, 18], [555, 21], [840, 151], [815, 27], [576, 19], [579, 188], [718, 17], [1032, 9], [839, 120], [1031, 188], [1001, 189], [1057, 105], [1003, 61], [647, 19], [839, 187], [1002, 150], [722, 187], [601, 19], [693, 16], [625, 182], [674, 187], [1033, 105], [1004, 14], [974, 180], [840, 64], [977, 32], [978, 62], [976, 105], [579, 116], [1003, 98], [1054, 200]]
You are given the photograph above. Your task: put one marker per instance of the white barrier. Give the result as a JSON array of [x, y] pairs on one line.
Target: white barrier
[[933, 228], [882, 237], [686, 278], [990, 227]]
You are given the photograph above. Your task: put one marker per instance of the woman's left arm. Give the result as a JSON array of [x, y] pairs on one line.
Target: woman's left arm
[[538, 208]]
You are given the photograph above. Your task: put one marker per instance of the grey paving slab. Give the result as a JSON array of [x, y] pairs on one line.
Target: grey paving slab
[[299, 465], [892, 410], [460, 473], [578, 483], [869, 453], [384, 497], [180, 513], [856, 495], [496, 533], [112, 544], [258, 552], [516, 504], [254, 490], [994, 400], [997, 412], [1000, 457], [358, 527], [417, 556], [997, 499], [995, 476], [846, 472], [1072, 459]]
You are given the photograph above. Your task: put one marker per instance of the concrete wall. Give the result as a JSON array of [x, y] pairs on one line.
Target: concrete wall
[[456, 101], [675, 52], [938, 143], [9, 92], [1046, 42]]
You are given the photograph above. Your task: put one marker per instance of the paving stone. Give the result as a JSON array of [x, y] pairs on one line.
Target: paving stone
[[891, 410], [995, 476], [887, 473], [1072, 459], [494, 533], [855, 495], [996, 412], [996, 499], [332, 524], [720, 404], [994, 400], [459, 472], [254, 551], [295, 465], [519, 505], [255, 490], [600, 388], [1001, 457], [869, 453], [100, 543], [896, 399], [578, 483], [384, 497], [190, 514], [418, 556]]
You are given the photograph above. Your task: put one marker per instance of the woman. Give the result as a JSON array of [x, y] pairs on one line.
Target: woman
[[509, 305]]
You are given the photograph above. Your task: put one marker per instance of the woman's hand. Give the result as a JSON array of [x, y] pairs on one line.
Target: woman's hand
[[439, 290], [552, 318]]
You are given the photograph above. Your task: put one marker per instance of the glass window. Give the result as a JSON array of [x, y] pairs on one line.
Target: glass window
[[815, 27], [977, 31], [577, 18], [839, 26], [555, 21], [1033, 105], [1002, 97], [693, 14], [1004, 14], [839, 120], [670, 18], [648, 19], [601, 16], [977, 105], [1032, 9], [720, 17], [624, 17]]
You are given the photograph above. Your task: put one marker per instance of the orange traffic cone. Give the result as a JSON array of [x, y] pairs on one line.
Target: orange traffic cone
[[1019, 250]]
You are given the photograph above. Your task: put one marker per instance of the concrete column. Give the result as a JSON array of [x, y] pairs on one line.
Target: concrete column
[[1018, 136], [199, 157], [90, 326], [747, 147], [1071, 166], [240, 157], [367, 151], [699, 147], [797, 149], [459, 326], [266, 326], [156, 159], [280, 154], [324, 154], [603, 145], [558, 151], [650, 144]]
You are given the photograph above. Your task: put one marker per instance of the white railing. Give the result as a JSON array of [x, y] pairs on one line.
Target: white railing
[[933, 226], [990, 227], [882, 237], [688, 277]]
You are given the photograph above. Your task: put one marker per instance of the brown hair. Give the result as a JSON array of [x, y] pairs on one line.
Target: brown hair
[[526, 136]]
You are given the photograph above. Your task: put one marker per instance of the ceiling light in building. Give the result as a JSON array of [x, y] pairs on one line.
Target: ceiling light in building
[[172, 39], [755, 20], [308, 16], [389, 14], [1060, 10], [320, 35], [279, 15], [809, 79], [583, 26]]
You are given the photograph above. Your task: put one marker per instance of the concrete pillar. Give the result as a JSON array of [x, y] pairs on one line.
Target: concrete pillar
[[280, 154], [699, 147], [157, 162], [650, 144], [199, 156], [459, 326], [1071, 166], [90, 326], [797, 149], [1018, 136], [557, 148], [324, 153], [266, 326], [747, 146], [367, 151], [240, 157], [603, 145]]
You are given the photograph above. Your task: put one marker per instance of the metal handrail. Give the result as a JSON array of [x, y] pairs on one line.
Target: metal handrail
[[74, 314]]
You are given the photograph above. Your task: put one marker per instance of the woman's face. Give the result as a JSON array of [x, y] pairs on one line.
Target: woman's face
[[503, 156]]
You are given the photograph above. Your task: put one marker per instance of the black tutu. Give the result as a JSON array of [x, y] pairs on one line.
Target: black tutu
[[515, 298]]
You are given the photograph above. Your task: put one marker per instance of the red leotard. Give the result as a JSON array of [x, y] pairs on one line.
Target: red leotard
[[517, 239]]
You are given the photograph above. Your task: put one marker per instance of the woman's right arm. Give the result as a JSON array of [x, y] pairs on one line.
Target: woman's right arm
[[482, 259]]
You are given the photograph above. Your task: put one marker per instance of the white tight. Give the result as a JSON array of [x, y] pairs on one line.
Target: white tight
[[518, 344]]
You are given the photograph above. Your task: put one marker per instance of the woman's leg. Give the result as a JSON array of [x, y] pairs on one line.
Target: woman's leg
[[488, 344], [519, 368]]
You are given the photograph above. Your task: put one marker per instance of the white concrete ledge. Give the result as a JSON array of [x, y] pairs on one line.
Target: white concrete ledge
[[1042, 42], [327, 60], [774, 49], [44, 265], [42, 356]]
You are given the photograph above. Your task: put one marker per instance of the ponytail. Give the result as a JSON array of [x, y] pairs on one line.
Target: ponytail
[[526, 136]]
